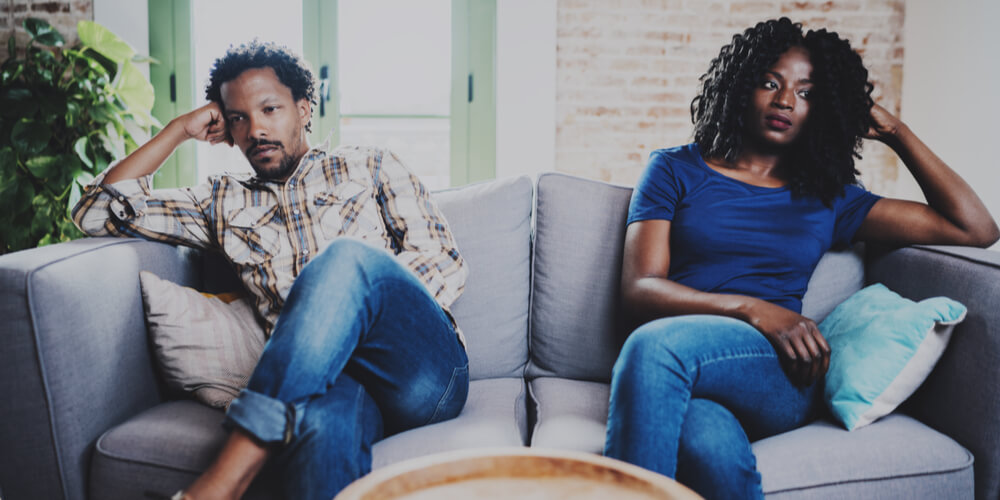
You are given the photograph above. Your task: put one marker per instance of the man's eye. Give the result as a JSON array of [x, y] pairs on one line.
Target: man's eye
[[270, 109], [234, 119]]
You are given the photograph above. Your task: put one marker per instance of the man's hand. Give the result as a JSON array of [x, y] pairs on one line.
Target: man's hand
[[206, 124], [803, 349]]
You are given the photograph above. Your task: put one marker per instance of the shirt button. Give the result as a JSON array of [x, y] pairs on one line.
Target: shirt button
[[305, 252], [295, 212]]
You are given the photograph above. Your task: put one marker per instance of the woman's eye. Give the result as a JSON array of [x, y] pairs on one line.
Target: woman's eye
[[769, 85], [805, 93]]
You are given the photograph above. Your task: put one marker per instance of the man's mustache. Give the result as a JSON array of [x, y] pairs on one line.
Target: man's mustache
[[262, 142]]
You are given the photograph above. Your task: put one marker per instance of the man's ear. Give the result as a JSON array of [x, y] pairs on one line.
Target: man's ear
[[305, 110]]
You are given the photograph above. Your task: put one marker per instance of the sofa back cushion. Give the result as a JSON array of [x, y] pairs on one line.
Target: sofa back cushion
[[579, 231], [491, 223], [579, 235]]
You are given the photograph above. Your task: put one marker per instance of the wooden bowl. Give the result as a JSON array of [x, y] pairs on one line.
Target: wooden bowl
[[522, 473]]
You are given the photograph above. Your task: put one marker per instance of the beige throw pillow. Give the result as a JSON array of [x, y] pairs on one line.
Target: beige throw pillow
[[203, 345]]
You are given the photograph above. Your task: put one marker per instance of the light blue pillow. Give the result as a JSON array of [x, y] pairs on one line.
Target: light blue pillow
[[883, 347]]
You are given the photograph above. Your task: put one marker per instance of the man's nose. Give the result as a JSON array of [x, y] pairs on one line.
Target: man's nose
[[257, 129]]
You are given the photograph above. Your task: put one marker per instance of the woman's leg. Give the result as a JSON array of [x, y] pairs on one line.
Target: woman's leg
[[665, 363], [714, 456], [353, 310]]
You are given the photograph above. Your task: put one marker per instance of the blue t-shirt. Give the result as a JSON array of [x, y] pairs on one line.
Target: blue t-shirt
[[727, 236]]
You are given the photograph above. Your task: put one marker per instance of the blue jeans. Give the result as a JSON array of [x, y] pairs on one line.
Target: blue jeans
[[361, 350], [690, 393]]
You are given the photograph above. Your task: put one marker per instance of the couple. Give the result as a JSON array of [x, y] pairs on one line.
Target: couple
[[353, 267]]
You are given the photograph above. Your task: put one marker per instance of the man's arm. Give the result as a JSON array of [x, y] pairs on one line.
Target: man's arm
[[119, 202], [420, 231]]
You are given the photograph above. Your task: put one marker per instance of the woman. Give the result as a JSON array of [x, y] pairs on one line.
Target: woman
[[722, 238]]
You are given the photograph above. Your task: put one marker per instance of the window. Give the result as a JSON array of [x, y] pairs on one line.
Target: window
[[419, 81]]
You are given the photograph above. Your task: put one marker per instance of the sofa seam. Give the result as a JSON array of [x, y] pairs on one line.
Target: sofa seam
[[970, 462], [115, 456], [29, 295]]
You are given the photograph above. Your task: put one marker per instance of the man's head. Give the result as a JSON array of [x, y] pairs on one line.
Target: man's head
[[266, 94]]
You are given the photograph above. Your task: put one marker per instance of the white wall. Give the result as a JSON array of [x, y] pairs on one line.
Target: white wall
[[951, 77], [526, 87], [128, 19]]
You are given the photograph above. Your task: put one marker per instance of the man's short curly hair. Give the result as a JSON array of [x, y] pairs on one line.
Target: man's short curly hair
[[840, 103], [292, 71]]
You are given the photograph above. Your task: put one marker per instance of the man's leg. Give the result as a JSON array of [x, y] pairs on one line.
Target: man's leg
[[354, 310]]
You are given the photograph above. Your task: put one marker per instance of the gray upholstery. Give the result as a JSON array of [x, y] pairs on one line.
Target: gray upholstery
[[896, 457], [164, 448], [84, 415], [960, 398], [579, 229], [492, 227]]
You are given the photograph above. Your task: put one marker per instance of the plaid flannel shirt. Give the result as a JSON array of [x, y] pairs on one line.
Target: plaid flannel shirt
[[270, 230]]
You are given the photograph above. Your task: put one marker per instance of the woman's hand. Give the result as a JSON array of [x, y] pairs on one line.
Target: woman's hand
[[802, 347], [884, 125]]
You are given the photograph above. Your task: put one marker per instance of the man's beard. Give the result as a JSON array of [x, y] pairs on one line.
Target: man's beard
[[286, 164]]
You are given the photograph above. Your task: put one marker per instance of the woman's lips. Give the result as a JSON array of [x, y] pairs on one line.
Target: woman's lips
[[778, 122]]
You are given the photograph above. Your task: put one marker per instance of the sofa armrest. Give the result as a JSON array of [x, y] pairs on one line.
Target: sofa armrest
[[962, 395], [75, 359]]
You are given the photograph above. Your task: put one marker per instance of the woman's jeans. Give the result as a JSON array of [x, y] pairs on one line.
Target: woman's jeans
[[361, 350], [689, 394]]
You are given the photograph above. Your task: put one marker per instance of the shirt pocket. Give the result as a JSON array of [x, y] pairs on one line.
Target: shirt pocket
[[348, 209], [252, 237]]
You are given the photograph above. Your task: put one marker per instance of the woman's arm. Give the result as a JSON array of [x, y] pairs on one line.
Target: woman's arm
[[648, 294], [953, 215]]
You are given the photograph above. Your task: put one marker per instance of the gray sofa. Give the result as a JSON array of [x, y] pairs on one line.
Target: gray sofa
[[84, 416]]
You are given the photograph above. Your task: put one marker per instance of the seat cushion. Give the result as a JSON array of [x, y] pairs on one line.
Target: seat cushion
[[896, 457], [165, 448], [491, 222]]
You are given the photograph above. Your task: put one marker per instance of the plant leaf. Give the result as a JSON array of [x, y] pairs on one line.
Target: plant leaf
[[42, 32], [104, 41], [43, 167], [80, 146], [29, 137], [134, 89]]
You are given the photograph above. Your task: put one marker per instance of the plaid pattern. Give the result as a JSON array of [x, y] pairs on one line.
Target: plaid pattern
[[270, 230]]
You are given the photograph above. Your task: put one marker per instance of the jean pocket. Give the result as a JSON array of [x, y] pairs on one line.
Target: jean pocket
[[453, 400]]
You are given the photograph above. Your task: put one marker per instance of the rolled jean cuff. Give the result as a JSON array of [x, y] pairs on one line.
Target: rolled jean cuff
[[266, 418]]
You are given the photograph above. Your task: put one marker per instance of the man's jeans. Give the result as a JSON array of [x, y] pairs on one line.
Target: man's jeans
[[360, 350], [680, 391]]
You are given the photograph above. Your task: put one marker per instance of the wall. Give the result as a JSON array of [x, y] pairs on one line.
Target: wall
[[950, 94], [628, 70], [526, 87], [63, 15]]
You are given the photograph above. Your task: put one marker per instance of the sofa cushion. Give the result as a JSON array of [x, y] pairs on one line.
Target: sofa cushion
[[164, 448], [838, 275], [883, 347], [205, 345], [579, 230], [491, 223], [896, 457]]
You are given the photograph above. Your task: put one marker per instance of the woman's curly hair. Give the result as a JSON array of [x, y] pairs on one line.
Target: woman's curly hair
[[292, 71], [840, 103]]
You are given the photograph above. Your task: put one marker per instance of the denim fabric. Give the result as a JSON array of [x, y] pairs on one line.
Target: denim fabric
[[361, 349], [689, 394]]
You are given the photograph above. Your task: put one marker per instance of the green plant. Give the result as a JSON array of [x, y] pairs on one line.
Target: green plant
[[65, 114]]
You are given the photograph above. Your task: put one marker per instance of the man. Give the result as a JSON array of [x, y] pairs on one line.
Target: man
[[347, 257]]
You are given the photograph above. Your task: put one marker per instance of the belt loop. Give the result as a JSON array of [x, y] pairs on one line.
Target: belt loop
[[289, 423]]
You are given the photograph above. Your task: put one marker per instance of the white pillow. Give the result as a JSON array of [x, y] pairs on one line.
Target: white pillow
[[202, 344]]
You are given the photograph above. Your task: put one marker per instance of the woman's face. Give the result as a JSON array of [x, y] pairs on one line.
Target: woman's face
[[779, 105]]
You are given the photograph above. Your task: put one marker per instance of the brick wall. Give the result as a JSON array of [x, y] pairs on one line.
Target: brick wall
[[63, 15], [628, 69]]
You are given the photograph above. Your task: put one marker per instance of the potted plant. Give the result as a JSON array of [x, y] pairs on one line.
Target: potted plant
[[65, 114]]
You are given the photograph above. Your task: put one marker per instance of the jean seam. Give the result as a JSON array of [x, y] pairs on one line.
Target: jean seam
[[448, 393]]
